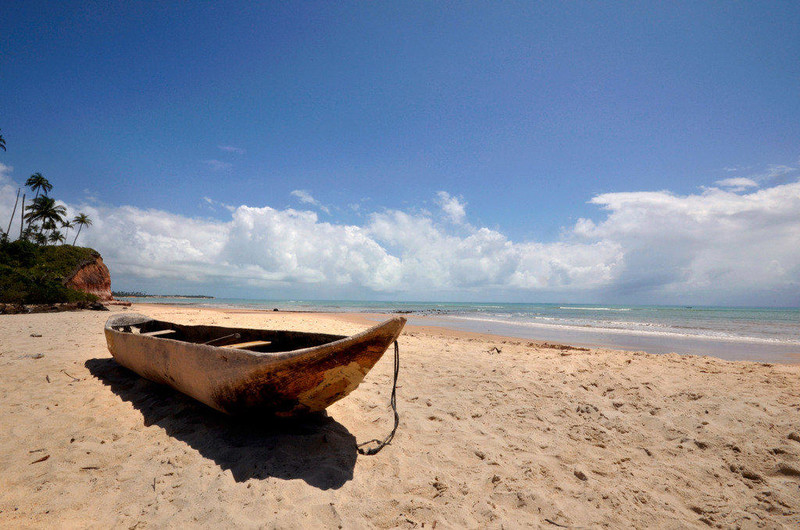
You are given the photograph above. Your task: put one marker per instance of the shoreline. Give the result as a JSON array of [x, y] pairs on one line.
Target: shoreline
[[729, 350], [657, 343]]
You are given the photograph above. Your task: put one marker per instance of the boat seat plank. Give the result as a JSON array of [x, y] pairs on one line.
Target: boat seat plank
[[243, 345], [158, 333]]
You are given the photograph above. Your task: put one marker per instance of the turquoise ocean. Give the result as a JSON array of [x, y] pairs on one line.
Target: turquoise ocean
[[736, 333]]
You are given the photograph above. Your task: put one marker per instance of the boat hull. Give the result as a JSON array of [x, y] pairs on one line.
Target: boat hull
[[239, 381]]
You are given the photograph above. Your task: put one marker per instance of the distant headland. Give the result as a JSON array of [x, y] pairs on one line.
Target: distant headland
[[127, 294]]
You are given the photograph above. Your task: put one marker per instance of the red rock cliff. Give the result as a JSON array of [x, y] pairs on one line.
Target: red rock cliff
[[92, 277]]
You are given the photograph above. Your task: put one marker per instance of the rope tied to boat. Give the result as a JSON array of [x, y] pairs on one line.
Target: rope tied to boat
[[386, 441]]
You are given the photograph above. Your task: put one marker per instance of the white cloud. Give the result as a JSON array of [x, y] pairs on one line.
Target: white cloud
[[90, 196], [218, 165], [749, 177], [432, 259], [305, 198], [773, 174], [718, 242], [8, 196], [452, 206], [5, 172], [776, 171], [737, 184], [714, 246], [211, 203], [231, 149], [293, 246]]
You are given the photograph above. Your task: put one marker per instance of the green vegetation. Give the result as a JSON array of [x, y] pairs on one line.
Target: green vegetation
[[34, 274], [31, 271], [129, 294]]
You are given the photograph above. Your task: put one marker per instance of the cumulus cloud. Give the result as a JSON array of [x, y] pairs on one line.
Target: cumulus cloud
[[737, 184], [714, 242], [293, 246], [714, 246], [432, 259], [454, 207], [305, 198]]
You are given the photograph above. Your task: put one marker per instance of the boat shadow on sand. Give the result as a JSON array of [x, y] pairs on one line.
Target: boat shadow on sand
[[316, 449]]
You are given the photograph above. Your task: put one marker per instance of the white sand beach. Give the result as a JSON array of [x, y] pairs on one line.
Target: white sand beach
[[494, 433]]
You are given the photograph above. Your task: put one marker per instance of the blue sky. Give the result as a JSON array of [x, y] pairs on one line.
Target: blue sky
[[519, 114]]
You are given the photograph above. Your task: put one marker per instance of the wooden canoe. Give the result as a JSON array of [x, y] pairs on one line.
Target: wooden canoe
[[243, 371]]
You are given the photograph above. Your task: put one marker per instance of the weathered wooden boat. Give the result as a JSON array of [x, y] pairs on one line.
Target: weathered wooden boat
[[238, 371]]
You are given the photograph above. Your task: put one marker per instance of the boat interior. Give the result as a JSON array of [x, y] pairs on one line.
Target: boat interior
[[257, 340]]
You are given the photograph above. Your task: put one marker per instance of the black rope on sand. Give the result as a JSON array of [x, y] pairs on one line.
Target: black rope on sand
[[388, 439]]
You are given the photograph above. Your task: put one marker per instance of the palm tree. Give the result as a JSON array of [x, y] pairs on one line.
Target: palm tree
[[40, 239], [81, 220], [56, 237], [8, 230], [27, 233], [2, 143], [66, 225], [48, 225], [37, 183], [46, 210], [22, 219]]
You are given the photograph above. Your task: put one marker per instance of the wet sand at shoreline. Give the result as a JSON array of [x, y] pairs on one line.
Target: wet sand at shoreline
[[494, 432]]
